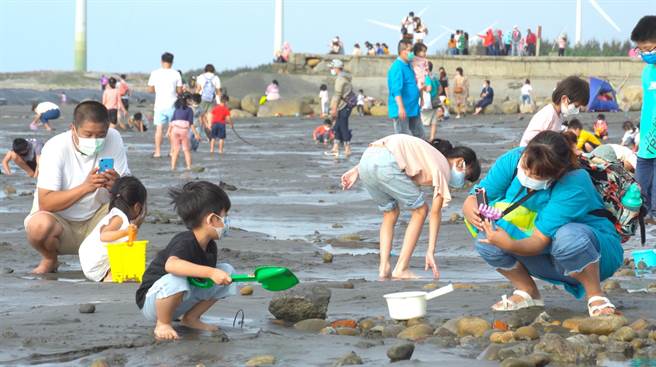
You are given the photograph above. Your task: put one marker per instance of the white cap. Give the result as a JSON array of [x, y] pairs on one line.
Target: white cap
[[336, 63]]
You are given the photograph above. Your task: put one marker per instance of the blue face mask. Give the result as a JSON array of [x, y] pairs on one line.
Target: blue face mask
[[411, 56], [457, 179], [649, 58]]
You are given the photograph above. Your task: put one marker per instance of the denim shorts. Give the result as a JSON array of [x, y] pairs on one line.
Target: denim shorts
[[218, 131], [163, 116], [49, 115], [387, 184], [170, 284]]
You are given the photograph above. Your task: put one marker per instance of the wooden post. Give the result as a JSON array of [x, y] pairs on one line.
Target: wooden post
[[539, 42]]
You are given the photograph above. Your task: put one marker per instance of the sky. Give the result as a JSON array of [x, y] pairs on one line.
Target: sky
[[130, 35]]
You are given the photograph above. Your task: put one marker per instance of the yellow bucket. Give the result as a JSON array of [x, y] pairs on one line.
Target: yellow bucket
[[127, 261]]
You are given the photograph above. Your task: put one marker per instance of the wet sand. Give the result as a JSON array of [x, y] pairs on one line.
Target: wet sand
[[288, 207]]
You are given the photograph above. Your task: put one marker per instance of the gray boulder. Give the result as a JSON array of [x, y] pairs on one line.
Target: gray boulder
[[301, 303]]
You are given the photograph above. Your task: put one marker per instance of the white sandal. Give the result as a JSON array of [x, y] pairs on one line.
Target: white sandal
[[594, 310], [509, 305]]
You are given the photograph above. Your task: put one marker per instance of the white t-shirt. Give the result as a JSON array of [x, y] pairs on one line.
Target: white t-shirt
[[526, 89], [93, 253], [62, 167], [45, 107], [545, 119], [360, 100], [165, 82], [323, 95], [203, 78], [625, 154]]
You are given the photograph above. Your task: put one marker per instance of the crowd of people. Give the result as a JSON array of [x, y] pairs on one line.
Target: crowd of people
[[553, 221]]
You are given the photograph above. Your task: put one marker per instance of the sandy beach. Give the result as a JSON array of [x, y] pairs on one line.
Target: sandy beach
[[288, 210]]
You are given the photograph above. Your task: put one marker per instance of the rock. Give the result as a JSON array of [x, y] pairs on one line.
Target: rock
[[416, 332], [197, 169], [312, 61], [641, 324], [379, 111], [429, 286], [519, 318], [344, 323], [246, 290], [264, 360], [502, 337], [465, 286], [611, 285], [240, 114], [474, 326], [348, 360], [450, 325], [526, 333], [328, 330], [287, 107], [366, 324], [327, 257], [602, 325], [6, 270], [455, 218], [251, 103], [619, 348], [516, 362], [630, 98], [337, 225], [366, 344], [9, 190], [311, 325], [416, 321], [623, 334], [400, 352], [443, 338], [539, 359], [491, 353], [510, 107], [349, 238], [527, 108], [518, 350], [100, 362], [87, 308], [391, 331], [301, 303], [234, 103], [637, 344], [627, 272], [558, 348], [347, 331], [573, 324]]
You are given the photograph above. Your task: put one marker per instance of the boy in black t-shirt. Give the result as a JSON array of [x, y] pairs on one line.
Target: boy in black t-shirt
[[165, 293]]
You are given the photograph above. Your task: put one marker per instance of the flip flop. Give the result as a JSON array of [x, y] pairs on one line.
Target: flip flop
[[508, 305]]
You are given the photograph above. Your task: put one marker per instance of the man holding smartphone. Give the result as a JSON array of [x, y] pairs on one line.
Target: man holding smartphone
[[72, 194]]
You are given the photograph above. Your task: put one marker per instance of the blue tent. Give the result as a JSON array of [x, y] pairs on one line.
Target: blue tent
[[597, 88]]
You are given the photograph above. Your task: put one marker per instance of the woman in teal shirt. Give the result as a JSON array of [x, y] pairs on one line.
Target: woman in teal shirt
[[552, 235]]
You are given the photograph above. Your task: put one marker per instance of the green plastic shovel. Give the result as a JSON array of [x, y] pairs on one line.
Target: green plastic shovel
[[272, 278]]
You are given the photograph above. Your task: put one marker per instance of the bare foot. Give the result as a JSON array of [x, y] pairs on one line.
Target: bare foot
[[165, 332], [405, 274], [46, 266], [384, 272], [197, 324], [108, 277]]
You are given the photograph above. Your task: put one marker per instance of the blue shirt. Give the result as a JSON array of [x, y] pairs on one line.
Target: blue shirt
[[490, 93], [647, 148], [401, 82], [569, 200]]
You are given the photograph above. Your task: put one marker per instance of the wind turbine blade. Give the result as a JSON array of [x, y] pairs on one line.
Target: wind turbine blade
[[432, 42], [488, 27], [421, 12], [393, 27], [448, 29], [604, 15]]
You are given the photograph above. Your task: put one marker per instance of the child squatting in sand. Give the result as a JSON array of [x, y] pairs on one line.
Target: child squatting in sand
[[165, 293]]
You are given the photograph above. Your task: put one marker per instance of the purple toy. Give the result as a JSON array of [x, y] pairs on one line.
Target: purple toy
[[489, 212]]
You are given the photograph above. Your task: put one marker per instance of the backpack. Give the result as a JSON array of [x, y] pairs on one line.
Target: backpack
[[208, 93], [612, 181], [351, 99]]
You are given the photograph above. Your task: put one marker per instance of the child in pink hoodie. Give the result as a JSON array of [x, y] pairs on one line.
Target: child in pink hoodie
[[420, 67]]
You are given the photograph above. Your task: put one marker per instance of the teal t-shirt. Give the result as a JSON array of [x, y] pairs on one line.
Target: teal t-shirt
[[569, 200], [647, 147]]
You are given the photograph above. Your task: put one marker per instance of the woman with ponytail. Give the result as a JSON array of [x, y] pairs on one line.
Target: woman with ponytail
[[127, 208], [393, 170], [550, 229]]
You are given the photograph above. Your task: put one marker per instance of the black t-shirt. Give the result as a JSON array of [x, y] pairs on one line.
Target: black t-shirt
[[184, 246]]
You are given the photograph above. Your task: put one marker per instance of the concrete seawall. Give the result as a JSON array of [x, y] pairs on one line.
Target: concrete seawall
[[614, 68]]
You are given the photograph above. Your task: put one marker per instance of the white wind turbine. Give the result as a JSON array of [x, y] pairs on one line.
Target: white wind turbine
[[394, 27], [579, 18]]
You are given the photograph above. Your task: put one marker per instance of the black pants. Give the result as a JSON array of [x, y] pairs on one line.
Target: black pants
[[561, 52], [341, 128]]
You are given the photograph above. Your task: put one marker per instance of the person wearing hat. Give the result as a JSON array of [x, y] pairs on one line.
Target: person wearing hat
[[617, 153], [340, 108]]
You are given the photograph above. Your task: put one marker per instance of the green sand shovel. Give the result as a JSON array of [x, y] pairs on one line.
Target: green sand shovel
[[272, 278]]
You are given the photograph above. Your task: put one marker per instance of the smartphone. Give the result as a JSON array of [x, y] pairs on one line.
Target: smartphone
[[105, 164], [481, 197]]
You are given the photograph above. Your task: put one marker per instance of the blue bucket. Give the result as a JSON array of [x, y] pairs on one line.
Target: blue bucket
[[644, 259]]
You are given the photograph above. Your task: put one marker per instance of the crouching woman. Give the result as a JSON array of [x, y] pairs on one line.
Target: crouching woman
[[552, 235]]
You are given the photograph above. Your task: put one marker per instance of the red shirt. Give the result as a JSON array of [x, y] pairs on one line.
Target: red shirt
[[219, 114], [531, 39]]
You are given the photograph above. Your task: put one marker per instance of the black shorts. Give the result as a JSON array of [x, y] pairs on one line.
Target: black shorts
[[126, 103], [113, 115]]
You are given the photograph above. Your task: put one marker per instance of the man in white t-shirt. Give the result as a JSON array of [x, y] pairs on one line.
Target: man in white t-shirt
[[208, 85], [72, 194], [166, 83]]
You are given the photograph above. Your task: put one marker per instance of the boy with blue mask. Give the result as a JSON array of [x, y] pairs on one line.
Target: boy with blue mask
[[166, 293], [644, 35]]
